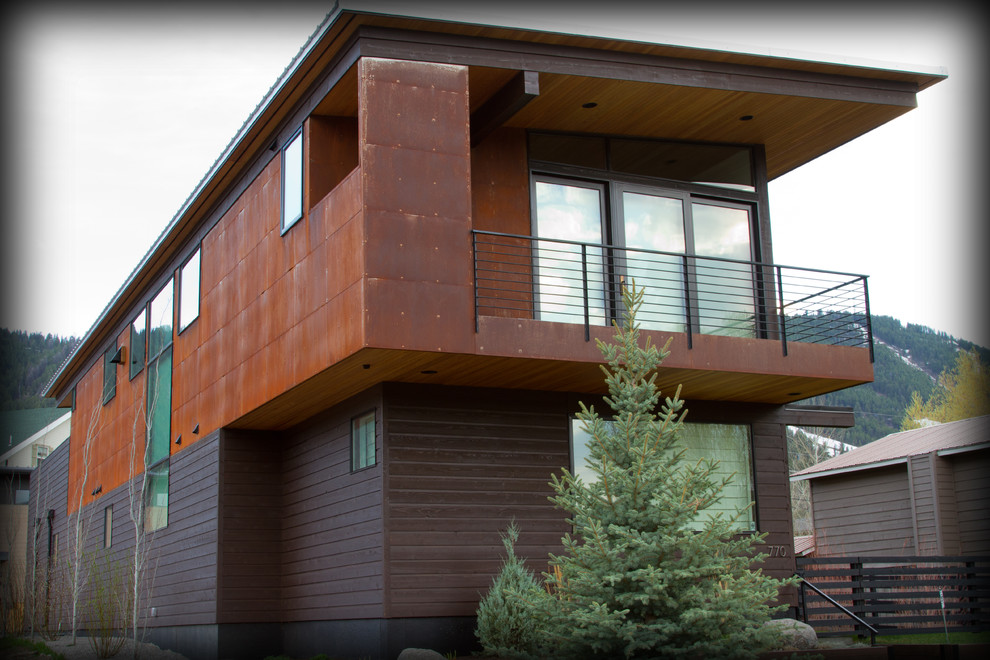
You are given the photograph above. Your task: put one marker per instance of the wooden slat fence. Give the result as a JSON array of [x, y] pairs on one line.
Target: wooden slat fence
[[897, 595]]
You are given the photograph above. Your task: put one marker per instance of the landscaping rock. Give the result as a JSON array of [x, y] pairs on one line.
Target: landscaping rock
[[420, 654], [795, 634]]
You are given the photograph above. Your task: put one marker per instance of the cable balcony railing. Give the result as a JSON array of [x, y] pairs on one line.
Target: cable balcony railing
[[573, 282]]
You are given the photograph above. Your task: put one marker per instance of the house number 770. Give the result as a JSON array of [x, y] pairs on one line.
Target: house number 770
[[778, 550]]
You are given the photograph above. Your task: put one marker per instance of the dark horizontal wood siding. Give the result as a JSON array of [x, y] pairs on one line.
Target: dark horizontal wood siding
[[973, 501], [332, 545], [863, 513], [180, 587], [463, 463], [250, 510], [184, 553]]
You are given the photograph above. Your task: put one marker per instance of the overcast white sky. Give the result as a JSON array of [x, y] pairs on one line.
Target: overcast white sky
[[113, 115]]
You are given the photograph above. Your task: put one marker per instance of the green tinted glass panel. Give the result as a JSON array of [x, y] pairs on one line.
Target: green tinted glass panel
[[156, 497], [577, 150], [160, 407]]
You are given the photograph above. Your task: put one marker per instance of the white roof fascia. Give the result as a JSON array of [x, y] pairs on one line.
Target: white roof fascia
[[850, 468], [949, 451]]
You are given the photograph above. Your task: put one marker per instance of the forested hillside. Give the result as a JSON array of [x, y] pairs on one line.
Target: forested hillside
[[908, 358], [27, 364]]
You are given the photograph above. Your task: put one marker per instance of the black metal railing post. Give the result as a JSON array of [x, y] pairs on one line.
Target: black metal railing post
[[869, 320], [783, 322], [474, 257], [584, 281], [688, 320]]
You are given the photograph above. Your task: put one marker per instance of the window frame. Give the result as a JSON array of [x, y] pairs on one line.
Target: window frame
[[109, 374], [107, 527], [357, 423], [138, 357], [158, 468], [299, 167], [182, 290], [616, 183], [575, 425]]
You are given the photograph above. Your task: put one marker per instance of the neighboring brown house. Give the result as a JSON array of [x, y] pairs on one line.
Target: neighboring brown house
[[362, 341], [920, 492]]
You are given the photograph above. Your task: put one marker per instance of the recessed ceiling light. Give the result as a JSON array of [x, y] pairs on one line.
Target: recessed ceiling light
[[745, 117], [589, 105], [428, 372]]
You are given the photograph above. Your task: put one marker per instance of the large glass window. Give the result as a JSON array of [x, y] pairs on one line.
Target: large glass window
[[292, 181], [729, 444], [569, 212], [363, 441], [685, 238], [189, 291]]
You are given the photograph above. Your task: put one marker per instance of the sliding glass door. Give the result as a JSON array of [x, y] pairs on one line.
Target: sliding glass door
[[570, 271], [691, 256]]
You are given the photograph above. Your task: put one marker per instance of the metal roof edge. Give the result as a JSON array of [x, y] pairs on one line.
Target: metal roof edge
[[949, 451], [850, 468], [277, 86]]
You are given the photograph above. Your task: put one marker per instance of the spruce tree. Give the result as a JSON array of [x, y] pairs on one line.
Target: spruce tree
[[644, 573]]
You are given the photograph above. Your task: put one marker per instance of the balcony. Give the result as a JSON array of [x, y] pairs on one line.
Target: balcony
[[572, 282]]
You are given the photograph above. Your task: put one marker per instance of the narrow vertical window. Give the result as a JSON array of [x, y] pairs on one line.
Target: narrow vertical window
[[107, 526], [363, 441], [292, 181], [159, 407], [139, 332], [189, 291], [109, 375]]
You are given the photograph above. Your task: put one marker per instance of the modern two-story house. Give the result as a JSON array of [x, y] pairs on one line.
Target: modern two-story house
[[356, 353]]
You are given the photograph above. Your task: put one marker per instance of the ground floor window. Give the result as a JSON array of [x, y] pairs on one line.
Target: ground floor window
[[156, 497], [729, 444]]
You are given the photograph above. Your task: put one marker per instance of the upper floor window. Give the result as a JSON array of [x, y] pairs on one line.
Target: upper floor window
[[721, 165], [292, 181], [139, 334], [728, 444], [189, 291], [109, 374], [160, 331], [678, 219]]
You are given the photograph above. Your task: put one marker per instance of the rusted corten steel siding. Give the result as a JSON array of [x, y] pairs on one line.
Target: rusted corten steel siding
[[114, 430], [415, 156], [276, 309]]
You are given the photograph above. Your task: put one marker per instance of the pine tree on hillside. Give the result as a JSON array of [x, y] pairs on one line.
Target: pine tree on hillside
[[646, 572]]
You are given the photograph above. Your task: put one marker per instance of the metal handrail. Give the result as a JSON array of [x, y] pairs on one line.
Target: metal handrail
[[578, 282], [873, 631]]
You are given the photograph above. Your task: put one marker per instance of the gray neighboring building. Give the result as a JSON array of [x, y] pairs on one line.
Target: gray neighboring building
[[919, 492]]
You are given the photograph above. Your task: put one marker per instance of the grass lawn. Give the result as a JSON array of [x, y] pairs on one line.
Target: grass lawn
[[936, 638]]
